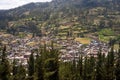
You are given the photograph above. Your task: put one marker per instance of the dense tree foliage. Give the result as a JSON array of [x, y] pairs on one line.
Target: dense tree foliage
[[31, 67], [4, 65], [45, 66]]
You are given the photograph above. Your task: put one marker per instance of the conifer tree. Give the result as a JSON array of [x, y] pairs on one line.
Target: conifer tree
[[73, 70], [4, 65], [88, 68], [31, 67], [14, 69], [100, 67], [80, 67], [85, 69], [51, 65], [117, 68], [65, 71], [39, 72], [21, 72], [110, 65], [92, 65]]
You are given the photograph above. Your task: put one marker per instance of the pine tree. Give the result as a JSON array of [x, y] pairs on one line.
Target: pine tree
[[92, 62], [31, 67], [80, 67], [100, 71], [73, 70], [4, 66], [85, 69], [117, 68], [39, 72], [110, 65], [21, 72], [14, 69], [65, 71], [88, 72], [51, 65]]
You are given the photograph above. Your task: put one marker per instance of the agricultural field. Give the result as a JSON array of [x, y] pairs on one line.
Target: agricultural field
[[83, 40]]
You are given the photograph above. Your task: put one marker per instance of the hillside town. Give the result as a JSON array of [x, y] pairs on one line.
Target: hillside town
[[21, 48]]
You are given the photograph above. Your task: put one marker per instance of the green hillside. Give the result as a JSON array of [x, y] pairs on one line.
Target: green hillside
[[66, 18]]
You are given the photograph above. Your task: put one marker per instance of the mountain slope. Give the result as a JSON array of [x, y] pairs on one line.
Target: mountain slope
[[57, 5], [90, 15]]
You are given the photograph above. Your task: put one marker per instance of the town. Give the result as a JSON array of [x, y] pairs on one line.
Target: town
[[21, 48]]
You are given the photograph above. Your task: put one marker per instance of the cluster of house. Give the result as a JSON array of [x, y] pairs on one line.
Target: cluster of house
[[72, 50], [96, 47], [20, 48]]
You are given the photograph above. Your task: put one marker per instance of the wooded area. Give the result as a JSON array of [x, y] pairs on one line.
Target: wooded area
[[46, 66]]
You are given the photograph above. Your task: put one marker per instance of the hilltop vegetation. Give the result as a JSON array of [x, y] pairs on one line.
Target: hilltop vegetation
[[66, 18]]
